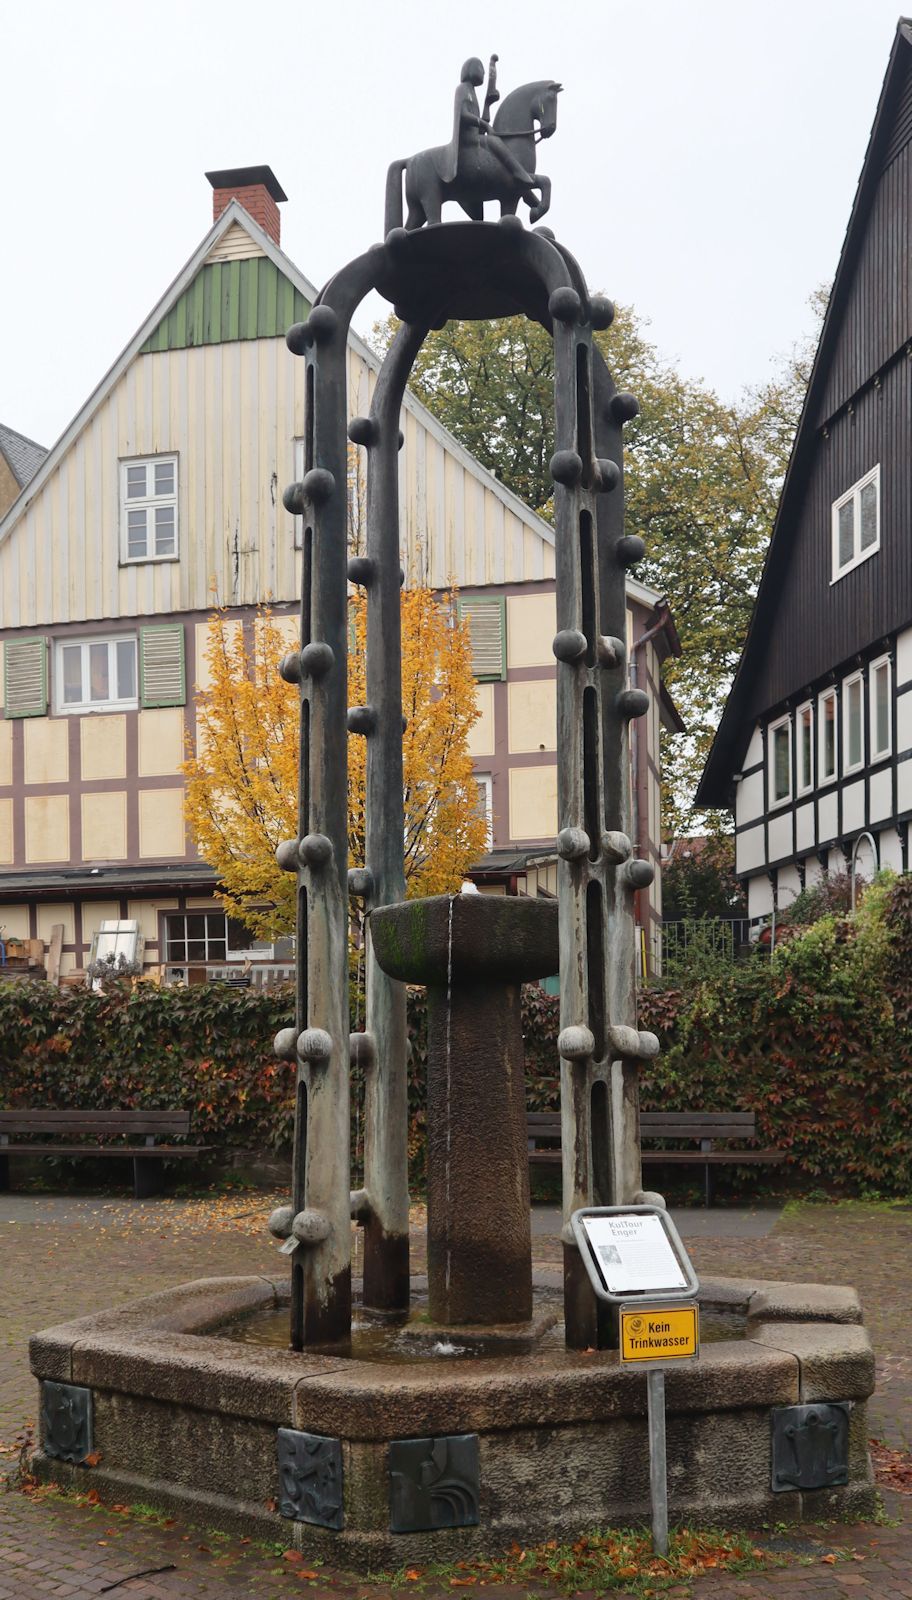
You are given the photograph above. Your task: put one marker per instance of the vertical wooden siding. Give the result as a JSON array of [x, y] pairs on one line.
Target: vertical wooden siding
[[877, 318], [232, 413], [232, 299], [818, 625]]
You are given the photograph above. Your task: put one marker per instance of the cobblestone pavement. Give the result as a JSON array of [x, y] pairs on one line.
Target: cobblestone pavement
[[61, 1258]]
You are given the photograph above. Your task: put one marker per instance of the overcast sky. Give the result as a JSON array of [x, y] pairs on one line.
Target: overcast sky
[[704, 163]]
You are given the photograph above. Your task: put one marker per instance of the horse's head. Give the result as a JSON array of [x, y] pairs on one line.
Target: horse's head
[[532, 103], [546, 112]]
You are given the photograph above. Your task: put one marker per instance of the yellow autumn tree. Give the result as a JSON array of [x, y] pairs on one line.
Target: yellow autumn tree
[[242, 779]]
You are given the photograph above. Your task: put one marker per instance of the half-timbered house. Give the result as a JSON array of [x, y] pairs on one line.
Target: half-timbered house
[[814, 750], [165, 493]]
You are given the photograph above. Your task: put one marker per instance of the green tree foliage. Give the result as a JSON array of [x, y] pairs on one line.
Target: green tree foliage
[[700, 881], [702, 480]]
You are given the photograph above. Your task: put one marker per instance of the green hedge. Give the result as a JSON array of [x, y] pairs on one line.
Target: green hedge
[[207, 1049], [816, 1039]]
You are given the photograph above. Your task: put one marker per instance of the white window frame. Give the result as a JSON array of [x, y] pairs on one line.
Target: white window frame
[[824, 777], [849, 767], [873, 669], [485, 783], [195, 961], [804, 781], [783, 799], [858, 555], [83, 707], [147, 503]]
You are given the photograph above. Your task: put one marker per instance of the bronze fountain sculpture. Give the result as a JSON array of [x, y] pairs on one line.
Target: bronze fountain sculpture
[[430, 273], [375, 1462]]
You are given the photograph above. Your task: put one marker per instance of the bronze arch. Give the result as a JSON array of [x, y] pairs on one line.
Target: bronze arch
[[466, 270]]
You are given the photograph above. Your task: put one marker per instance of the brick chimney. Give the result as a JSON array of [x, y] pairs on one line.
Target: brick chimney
[[256, 188]]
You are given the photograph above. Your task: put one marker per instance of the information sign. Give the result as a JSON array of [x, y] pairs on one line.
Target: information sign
[[633, 1253], [659, 1333], [637, 1263]]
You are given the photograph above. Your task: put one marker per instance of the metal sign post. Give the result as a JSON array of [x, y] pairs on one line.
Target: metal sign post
[[637, 1263], [658, 1471]]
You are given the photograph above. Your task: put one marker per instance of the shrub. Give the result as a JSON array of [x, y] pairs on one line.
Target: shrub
[[815, 1038], [830, 896], [207, 1049]]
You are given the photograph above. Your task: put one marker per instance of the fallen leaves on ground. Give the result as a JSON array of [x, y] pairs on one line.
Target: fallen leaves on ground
[[600, 1561], [237, 1211], [892, 1468], [296, 1560]]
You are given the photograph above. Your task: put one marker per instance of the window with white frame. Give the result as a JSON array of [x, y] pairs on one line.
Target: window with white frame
[[96, 674], [880, 688], [148, 509], [804, 740], [856, 524], [826, 744], [485, 786], [853, 723], [780, 760], [196, 936]]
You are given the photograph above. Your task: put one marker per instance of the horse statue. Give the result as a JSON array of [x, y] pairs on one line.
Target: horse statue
[[483, 161]]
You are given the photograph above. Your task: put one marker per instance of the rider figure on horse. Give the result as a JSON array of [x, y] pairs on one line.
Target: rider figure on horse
[[483, 160], [470, 128]]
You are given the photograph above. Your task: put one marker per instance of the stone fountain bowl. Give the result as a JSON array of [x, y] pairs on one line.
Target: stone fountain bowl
[[371, 1466], [467, 939], [473, 952]]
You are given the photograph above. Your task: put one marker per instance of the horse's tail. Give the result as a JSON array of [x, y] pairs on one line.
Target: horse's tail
[[393, 218]]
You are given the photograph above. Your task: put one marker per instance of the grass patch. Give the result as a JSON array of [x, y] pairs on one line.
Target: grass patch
[[618, 1559]]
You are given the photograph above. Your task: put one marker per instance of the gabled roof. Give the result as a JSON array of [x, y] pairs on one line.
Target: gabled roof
[[23, 455], [735, 728], [235, 213]]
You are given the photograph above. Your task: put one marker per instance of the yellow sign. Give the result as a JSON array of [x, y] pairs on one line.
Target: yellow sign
[[659, 1333]]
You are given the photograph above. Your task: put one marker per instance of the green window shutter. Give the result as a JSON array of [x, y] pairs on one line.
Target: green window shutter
[[25, 678], [486, 615], [161, 666]]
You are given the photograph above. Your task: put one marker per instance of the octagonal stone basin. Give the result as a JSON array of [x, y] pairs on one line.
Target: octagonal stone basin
[[189, 1421]]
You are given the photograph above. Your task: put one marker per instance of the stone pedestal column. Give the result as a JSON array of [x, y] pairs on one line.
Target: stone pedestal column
[[473, 952]]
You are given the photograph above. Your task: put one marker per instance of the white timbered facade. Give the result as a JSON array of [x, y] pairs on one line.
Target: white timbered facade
[[163, 496]]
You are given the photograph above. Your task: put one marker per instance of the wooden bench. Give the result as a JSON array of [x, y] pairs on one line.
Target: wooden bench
[[702, 1127], [148, 1158]]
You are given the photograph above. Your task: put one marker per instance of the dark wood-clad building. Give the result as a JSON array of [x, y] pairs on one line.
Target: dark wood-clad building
[[814, 750]]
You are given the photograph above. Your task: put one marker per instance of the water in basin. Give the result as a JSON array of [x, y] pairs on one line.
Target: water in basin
[[414, 1341]]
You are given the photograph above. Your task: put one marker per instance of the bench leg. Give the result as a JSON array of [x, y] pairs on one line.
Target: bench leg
[[148, 1177], [708, 1185], [4, 1172]]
